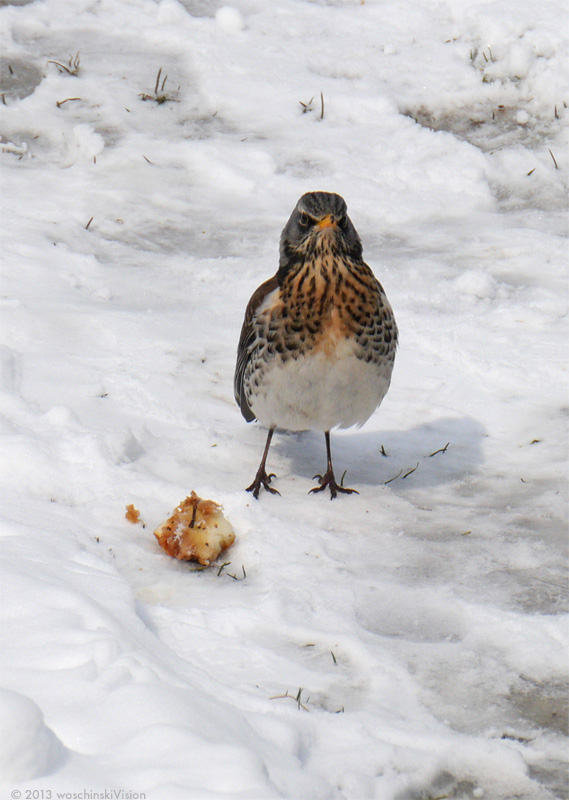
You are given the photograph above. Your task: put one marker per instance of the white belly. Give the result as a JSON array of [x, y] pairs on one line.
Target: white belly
[[316, 392]]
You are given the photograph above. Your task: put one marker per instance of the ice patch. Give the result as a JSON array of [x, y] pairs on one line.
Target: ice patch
[[490, 126], [18, 78]]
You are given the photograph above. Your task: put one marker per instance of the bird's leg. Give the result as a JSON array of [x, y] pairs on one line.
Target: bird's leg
[[261, 478], [328, 480]]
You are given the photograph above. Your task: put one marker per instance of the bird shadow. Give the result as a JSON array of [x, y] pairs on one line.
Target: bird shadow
[[431, 454]]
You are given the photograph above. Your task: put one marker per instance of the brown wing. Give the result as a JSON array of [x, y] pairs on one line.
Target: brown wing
[[247, 343]]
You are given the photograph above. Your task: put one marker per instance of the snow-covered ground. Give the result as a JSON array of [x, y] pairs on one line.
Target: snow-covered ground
[[408, 643]]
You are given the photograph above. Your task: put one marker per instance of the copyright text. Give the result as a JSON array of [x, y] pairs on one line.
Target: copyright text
[[83, 794]]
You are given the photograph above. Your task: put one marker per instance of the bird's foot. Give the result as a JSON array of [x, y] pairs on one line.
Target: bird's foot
[[329, 481], [262, 479]]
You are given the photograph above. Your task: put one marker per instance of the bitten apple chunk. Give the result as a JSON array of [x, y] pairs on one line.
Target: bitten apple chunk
[[196, 531]]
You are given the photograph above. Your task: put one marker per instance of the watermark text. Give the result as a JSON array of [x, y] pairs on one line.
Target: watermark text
[[82, 794]]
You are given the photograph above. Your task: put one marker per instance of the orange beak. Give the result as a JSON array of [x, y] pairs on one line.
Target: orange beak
[[327, 222]]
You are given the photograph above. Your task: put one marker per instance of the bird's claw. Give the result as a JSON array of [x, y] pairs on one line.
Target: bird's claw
[[329, 481], [262, 479]]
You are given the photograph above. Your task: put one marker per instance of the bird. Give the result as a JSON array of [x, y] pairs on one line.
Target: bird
[[318, 341]]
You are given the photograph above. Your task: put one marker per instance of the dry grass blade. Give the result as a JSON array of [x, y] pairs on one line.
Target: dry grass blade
[[296, 699], [157, 81], [411, 471], [236, 577], [59, 103], [441, 450], [394, 477], [72, 66], [553, 157], [159, 95]]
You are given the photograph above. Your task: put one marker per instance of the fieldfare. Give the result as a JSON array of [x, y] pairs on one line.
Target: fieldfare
[[318, 341]]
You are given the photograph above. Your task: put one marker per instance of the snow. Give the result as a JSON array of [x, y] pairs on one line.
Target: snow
[[404, 644], [29, 747]]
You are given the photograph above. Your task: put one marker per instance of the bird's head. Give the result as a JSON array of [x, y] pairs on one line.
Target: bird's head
[[319, 220]]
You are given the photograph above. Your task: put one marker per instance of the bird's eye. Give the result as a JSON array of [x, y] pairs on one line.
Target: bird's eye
[[304, 220]]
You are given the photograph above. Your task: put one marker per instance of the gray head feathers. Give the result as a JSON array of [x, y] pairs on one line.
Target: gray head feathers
[[301, 232]]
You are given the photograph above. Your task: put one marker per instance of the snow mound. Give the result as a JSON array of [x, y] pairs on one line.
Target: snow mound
[[28, 748], [229, 19]]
